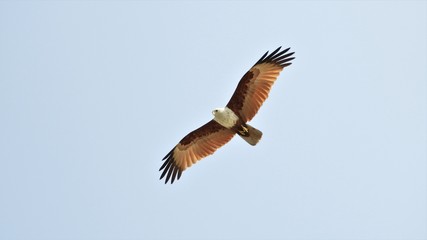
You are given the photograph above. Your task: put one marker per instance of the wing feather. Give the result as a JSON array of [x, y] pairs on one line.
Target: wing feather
[[255, 85], [198, 144]]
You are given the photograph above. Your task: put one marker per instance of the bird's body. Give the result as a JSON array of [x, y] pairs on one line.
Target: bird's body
[[225, 117], [232, 119]]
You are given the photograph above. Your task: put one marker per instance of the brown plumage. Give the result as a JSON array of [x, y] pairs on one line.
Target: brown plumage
[[250, 94]]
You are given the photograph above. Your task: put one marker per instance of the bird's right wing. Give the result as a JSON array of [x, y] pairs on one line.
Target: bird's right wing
[[196, 145]]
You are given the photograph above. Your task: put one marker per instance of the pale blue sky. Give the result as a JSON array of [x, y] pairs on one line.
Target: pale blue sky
[[94, 94]]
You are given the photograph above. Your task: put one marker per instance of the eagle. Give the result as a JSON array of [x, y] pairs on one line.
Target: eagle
[[250, 94]]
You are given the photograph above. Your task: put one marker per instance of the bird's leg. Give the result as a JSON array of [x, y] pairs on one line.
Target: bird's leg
[[243, 130]]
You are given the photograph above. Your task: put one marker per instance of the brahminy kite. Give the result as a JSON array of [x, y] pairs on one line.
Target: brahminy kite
[[248, 97]]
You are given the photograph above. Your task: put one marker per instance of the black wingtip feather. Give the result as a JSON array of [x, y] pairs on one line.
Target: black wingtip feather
[[175, 171], [179, 174], [287, 64], [167, 155], [281, 62], [169, 174], [169, 163], [277, 57], [170, 169], [164, 165], [262, 58], [273, 53]]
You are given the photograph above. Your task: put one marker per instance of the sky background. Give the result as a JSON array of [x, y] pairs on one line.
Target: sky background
[[94, 94]]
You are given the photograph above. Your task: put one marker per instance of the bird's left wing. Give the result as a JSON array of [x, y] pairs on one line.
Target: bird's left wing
[[255, 85], [198, 144]]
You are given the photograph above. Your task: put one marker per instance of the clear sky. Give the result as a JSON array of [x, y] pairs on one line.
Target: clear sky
[[94, 94]]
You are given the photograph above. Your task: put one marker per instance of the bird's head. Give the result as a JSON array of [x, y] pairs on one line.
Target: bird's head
[[217, 110]]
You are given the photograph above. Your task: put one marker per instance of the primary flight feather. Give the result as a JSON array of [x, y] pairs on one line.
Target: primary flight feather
[[248, 97]]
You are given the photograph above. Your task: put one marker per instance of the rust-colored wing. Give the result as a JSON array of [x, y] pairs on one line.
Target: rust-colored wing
[[255, 85], [198, 144]]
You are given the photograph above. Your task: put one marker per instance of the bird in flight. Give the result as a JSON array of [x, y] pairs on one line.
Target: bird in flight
[[248, 97]]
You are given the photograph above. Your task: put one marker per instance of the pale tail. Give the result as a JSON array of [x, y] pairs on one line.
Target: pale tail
[[254, 135]]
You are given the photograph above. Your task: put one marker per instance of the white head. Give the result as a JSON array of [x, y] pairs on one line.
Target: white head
[[217, 110]]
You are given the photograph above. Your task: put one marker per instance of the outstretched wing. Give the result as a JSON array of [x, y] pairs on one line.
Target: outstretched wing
[[198, 144], [255, 85]]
